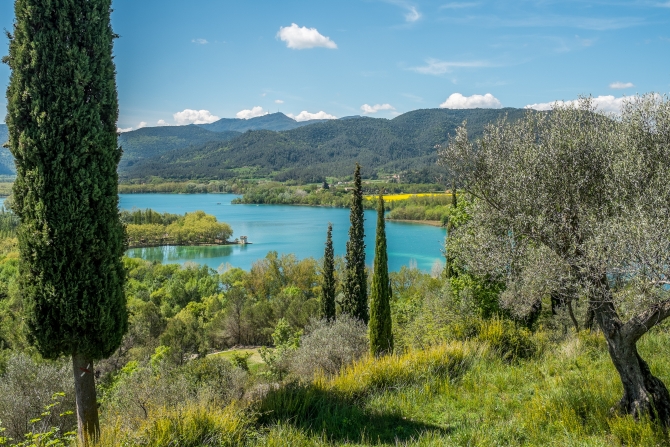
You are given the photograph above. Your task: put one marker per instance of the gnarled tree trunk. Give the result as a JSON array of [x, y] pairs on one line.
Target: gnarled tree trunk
[[87, 405], [644, 394]]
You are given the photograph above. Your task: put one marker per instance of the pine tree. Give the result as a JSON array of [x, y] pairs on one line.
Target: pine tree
[[355, 302], [62, 113], [329, 285], [380, 329]]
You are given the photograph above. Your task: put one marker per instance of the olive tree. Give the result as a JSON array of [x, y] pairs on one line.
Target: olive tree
[[578, 200]]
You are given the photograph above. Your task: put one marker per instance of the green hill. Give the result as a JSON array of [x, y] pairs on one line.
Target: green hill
[[272, 121], [153, 141], [330, 148]]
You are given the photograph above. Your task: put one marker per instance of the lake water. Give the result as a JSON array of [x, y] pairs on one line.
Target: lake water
[[286, 229]]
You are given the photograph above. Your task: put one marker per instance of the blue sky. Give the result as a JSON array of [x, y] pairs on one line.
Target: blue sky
[[183, 61]]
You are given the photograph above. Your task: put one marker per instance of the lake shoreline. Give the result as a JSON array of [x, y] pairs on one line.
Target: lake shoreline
[[204, 244], [434, 223]]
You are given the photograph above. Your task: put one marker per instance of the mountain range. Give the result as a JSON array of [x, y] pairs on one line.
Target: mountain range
[[277, 146]]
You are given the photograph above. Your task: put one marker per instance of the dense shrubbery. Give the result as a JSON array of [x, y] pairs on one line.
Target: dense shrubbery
[[27, 388], [316, 195], [149, 228], [158, 185]]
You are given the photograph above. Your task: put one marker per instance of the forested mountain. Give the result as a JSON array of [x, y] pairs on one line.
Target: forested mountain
[[310, 153], [6, 160], [272, 121], [153, 141]]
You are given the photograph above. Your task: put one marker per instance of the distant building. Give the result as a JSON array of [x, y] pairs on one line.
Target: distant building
[[243, 240]]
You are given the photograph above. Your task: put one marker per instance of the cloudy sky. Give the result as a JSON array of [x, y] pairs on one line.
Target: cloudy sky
[[182, 62]]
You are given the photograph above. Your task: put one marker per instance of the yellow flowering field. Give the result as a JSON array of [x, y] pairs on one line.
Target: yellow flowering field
[[396, 197]]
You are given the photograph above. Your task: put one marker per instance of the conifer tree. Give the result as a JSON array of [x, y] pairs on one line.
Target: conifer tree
[[380, 329], [329, 285], [62, 113], [355, 302]]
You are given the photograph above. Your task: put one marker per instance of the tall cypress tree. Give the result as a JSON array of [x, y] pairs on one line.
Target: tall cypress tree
[[380, 330], [62, 113], [355, 301], [329, 285]]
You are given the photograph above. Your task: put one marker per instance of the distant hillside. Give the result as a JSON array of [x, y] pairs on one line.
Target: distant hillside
[[330, 148], [6, 159], [153, 141], [272, 121]]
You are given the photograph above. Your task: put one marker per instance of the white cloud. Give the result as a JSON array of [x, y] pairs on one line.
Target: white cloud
[[438, 67], [621, 85], [162, 123], [126, 129], [458, 101], [253, 113], [606, 103], [279, 101], [366, 108], [301, 38], [200, 41], [412, 15], [306, 116], [142, 124], [189, 116]]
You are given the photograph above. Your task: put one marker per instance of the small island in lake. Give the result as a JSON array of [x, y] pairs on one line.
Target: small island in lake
[[149, 228]]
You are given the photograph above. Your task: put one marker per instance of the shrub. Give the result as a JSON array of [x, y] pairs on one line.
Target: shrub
[[507, 339], [286, 341], [142, 391], [27, 388], [329, 346]]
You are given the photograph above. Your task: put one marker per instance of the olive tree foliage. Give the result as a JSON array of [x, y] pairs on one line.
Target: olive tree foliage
[[575, 203]]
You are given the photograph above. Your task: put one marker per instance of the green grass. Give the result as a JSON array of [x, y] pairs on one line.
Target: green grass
[[461, 394], [254, 361]]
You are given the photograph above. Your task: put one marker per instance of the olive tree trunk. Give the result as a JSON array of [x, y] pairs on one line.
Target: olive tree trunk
[[643, 393], [87, 407]]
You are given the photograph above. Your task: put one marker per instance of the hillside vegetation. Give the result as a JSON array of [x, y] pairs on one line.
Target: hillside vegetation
[[310, 153], [153, 141]]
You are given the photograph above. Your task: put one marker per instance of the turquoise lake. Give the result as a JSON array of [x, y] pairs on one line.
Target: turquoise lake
[[300, 230]]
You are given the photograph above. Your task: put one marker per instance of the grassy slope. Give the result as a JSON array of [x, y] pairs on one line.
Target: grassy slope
[[458, 394]]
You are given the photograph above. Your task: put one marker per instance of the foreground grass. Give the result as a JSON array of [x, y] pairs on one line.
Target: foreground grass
[[458, 394]]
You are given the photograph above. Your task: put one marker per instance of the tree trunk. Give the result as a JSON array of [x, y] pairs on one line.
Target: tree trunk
[[87, 405], [644, 394]]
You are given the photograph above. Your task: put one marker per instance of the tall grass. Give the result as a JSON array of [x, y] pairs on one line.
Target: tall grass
[[456, 394]]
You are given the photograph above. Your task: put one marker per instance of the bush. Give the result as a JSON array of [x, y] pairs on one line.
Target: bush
[[27, 388], [141, 391], [507, 339], [327, 347]]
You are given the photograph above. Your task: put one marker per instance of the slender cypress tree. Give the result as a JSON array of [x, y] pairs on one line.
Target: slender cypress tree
[[380, 329], [62, 113], [355, 302], [329, 285]]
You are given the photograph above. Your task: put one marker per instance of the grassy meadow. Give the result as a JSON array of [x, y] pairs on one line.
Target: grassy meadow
[[458, 393]]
